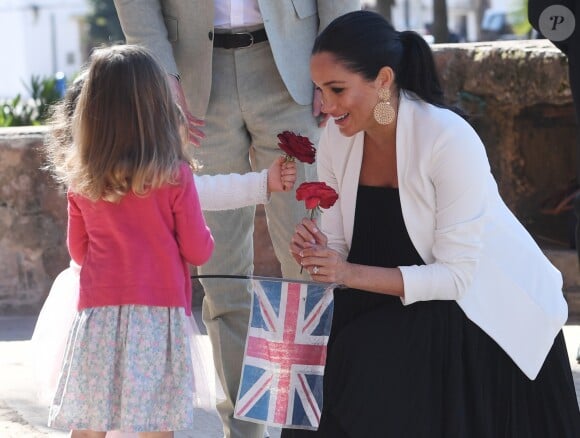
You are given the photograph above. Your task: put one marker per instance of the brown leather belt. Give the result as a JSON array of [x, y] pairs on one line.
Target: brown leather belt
[[239, 40]]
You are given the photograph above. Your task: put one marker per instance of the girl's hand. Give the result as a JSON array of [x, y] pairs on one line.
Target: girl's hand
[[281, 175]]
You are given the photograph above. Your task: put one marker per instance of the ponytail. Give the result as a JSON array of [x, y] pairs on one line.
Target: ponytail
[[417, 71]]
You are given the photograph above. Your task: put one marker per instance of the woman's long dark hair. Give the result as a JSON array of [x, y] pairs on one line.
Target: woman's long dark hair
[[364, 42]]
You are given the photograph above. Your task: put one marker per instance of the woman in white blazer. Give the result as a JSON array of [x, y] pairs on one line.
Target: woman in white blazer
[[449, 321]]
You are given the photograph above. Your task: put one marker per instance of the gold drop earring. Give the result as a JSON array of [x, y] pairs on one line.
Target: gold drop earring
[[384, 112]]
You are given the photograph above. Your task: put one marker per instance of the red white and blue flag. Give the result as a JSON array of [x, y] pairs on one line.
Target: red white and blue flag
[[281, 382]]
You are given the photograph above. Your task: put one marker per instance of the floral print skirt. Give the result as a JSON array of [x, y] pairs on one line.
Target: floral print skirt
[[126, 368]]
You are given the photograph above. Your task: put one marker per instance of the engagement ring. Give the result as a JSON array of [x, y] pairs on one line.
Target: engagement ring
[[315, 270]]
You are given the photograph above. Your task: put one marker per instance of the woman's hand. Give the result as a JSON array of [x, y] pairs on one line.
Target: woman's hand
[[309, 248], [325, 264], [306, 235]]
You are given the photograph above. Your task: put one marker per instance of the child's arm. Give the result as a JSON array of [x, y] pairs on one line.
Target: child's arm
[[191, 231], [230, 191], [77, 238]]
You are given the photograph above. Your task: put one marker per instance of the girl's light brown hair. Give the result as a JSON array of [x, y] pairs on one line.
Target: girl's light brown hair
[[126, 128], [59, 139]]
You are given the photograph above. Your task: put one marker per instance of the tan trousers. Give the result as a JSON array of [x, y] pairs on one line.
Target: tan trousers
[[249, 106]]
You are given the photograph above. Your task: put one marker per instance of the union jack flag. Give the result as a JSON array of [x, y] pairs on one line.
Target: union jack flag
[[281, 382]]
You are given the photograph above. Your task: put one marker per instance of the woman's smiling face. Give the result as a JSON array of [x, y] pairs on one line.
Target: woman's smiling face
[[348, 97]]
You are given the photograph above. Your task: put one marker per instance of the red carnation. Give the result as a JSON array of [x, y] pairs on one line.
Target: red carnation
[[316, 195], [296, 146]]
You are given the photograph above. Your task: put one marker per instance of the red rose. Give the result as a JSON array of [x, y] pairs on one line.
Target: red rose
[[297, 146], [316, 195]]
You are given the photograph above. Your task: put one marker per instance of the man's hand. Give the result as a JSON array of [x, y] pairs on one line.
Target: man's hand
[[194, 134], [317, 111]]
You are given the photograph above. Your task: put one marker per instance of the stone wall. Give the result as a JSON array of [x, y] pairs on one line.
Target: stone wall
[[518, 98], [32, 222]]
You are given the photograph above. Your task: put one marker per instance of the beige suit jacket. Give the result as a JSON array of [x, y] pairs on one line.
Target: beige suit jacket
[[180, 35]]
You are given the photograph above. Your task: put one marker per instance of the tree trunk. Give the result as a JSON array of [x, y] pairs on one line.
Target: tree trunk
[[440, 29], [480, 7]]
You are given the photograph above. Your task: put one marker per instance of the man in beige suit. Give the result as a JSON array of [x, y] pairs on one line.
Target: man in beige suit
[[242, 66]]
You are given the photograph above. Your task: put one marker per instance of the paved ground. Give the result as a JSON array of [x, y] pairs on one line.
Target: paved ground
[[21, 416]]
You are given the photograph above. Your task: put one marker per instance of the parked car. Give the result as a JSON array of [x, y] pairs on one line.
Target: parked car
[[453, 37], [498, 24]]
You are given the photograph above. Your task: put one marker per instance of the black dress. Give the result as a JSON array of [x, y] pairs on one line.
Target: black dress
[[425, 370]]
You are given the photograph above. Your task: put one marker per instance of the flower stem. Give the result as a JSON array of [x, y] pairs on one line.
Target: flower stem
[[311, 218]]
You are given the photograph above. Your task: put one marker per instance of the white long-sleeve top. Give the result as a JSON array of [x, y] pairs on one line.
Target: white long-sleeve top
[[476, 251], [230, 191]]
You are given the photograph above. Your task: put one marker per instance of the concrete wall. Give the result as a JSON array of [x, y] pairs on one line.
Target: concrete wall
[[517, 94]]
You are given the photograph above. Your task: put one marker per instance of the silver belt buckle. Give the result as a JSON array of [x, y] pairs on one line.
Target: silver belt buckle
[[251, 39]]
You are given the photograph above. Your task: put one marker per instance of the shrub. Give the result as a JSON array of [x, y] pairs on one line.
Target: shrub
[[34, 111]]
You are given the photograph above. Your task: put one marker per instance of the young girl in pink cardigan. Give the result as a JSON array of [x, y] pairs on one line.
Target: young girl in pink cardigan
[[135, 223]]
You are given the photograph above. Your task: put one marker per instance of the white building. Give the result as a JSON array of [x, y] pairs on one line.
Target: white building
[[39, 38]]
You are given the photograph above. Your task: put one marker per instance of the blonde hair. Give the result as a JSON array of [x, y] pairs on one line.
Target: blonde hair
[[126, 129], [59, 138]]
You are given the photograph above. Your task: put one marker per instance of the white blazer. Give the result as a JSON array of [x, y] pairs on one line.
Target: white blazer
[[476, 252]]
